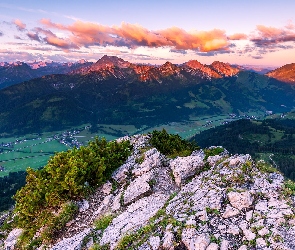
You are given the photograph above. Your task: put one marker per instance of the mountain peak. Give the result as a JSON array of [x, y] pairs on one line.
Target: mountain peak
[[194, 64], [82, 61], [224, 69], [110, 61], [285, 73]]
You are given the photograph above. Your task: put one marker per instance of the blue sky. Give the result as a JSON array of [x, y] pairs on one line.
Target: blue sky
[[256, 32]]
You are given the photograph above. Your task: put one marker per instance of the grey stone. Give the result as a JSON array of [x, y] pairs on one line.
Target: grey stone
[[73, 243], [152, 159], [154, 242], [137, 188], [168, 241], [193, 241], [230, 212], [9, 243], [107, 188], [240, 200], [136, 215], [184, 167], [224, 245], [212, 246], [83, 205], [144, 246]]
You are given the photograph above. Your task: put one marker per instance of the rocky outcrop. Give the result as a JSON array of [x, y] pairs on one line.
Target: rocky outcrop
[[10, 242], [194, 202]]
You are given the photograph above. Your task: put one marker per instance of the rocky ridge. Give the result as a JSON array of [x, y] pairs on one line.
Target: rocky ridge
[[114, 67], [194, 202], [285, 73]]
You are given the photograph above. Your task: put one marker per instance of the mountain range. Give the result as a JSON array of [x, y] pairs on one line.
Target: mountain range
[[115, 91], [17, 72]]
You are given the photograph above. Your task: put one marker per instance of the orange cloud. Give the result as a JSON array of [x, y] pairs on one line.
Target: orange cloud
[[139, 35], [132, 35], [238, 36], [19, 24]]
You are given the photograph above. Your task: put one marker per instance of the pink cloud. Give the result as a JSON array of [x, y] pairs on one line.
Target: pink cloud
[[270, 36], [47, 36], [238, 36], [19, 24]]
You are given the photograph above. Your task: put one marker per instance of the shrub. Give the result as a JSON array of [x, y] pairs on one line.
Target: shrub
[[171, 145], [103, 222], [68, 176], [213, 151], [265, 167]]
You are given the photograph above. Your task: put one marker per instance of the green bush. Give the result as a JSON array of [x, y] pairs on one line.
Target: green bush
[[213, 151], [171, 145], [68, 176], [103, 222]]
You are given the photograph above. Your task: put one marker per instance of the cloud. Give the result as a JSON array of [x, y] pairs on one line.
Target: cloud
[[180, 51], [19, 25], [257, 57], [1, 33], [269, 36], [48, 37], [84, 34], [238, 36], [12, 56]]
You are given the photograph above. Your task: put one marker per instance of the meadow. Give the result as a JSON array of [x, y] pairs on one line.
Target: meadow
[[34, 150]]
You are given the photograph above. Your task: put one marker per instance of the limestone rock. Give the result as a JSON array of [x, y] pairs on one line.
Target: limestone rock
[[83, 205], [9, 243], [240, 200], [73, 243], [107, 188], [168, 241], [199, 209], [184, 167], [224, 245], [230, 212], [137, 188], [144, 246], [260, 242], [116, 202], [135, 216], [154, 242], [248, 234], [193, 241], [212, 246], [152, 159]]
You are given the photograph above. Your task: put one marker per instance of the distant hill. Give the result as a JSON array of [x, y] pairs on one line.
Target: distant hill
[[270, 136], [285, 73]]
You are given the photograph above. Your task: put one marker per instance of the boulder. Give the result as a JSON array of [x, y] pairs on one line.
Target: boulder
[[193, 241], [185, 167], [240, 200], [137, 189], [136, 215]]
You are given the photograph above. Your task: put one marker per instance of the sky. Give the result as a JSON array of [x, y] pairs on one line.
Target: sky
[[245, 32]]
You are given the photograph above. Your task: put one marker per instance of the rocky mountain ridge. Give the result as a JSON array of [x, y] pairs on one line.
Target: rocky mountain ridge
[[112, 66], [285, 73], [208, 200]]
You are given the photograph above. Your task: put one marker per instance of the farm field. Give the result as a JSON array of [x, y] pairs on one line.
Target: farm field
[[34, 150]]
